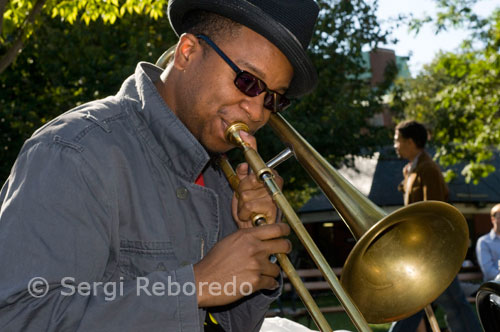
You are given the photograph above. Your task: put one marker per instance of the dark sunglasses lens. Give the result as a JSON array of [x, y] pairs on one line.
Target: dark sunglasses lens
[[252, 87], [249, 84], [282, 103]]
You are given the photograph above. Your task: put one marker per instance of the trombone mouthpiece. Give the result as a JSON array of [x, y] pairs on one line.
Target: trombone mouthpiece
[[233, 133]]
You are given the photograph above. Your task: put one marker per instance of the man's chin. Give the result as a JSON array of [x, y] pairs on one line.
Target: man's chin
[[216, 154], [212, 152], [221, 149]]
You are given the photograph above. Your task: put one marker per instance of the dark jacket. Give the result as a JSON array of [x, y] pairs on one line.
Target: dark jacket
[[104, 195], [425, 182]]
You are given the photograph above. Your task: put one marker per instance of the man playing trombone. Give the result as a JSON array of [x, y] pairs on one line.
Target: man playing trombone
[[114, 217]]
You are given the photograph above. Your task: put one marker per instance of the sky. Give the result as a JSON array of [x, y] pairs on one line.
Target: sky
[[422, 47]]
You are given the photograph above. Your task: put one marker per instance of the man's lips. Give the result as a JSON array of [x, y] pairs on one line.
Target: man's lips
[[227, 123]]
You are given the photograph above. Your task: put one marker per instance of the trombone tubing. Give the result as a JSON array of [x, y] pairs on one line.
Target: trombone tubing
[[265, 175], [284, 262]]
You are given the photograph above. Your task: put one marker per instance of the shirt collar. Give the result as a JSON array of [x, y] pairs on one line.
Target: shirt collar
[[414, 163], [493, 235], [170, 139]]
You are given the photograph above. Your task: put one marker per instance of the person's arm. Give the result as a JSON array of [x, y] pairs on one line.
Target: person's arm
[[57, 221], [247, 314], [488, 265]]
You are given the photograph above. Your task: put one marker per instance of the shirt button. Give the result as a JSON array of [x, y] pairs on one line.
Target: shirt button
[[182, 193]]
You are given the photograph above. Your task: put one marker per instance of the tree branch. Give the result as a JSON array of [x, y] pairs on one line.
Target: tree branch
[[17, 45], [3, 3]]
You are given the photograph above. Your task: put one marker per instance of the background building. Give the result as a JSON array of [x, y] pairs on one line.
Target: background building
[[378, 178]]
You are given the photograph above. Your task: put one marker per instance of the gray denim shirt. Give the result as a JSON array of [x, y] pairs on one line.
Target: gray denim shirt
[[105, 195]]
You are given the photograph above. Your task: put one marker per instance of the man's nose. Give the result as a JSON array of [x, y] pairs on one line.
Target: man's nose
[[254, 107]]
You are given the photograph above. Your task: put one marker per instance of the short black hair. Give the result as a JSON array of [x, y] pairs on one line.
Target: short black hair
[[215, 26], [414, 130]]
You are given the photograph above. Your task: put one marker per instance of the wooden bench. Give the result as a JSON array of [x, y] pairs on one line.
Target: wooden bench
[[314, 282], [470, 276], [311, 285]]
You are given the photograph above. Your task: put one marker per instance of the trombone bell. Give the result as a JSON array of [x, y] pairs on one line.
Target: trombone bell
[[406, 260], [402, 261]]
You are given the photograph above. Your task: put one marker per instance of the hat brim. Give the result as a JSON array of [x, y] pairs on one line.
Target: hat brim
[[304, 79]]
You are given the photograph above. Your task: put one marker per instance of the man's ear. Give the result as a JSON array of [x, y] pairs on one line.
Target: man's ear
[[412, 142], [187, 47]]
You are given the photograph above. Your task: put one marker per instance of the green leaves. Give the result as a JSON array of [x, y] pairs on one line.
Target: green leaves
[[458, 95], [109, 11], [65, 65], [333, 118], [75, 59], [21, 17]]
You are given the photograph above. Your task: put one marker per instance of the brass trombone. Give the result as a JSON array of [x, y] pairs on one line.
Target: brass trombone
[[401, 262]]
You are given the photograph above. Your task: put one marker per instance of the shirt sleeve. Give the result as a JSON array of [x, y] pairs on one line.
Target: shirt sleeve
[[488, 265], [247, 315], [59, 231]]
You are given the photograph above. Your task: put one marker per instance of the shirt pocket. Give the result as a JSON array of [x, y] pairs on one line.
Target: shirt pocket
[[140, 258]]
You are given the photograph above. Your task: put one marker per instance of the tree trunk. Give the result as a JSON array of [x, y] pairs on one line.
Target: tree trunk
[[13, 51]]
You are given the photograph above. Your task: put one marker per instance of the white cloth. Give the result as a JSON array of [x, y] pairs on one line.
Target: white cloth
[[278, 324]]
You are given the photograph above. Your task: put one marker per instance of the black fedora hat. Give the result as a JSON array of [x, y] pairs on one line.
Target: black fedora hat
[[288, 24]]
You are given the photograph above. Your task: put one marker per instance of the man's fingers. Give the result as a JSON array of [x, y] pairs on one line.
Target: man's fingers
[[278, 246], [270, 269], [242, 171], [247, 138], [271, 231], [268, 283], [278, 179], [263, 205]]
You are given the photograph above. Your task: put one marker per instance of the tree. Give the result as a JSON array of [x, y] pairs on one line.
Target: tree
[[458, 94], [334, 117], [48, 79], [66, 65], [19, 19]]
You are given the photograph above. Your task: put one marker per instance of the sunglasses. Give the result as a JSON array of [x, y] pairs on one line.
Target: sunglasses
[[251, 85]]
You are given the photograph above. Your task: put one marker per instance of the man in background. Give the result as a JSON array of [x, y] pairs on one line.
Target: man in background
[[488, 247], [424, 181]]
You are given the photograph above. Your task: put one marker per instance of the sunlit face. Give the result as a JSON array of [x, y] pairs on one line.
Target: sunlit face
[[405, 147], [210, 100], [495, 218]]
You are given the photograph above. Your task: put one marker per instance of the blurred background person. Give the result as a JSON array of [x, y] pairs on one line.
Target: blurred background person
[[424, 181], [488, 247]]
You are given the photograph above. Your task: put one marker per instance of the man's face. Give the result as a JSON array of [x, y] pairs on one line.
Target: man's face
[[404, 146], [495, 219], [210, 100]]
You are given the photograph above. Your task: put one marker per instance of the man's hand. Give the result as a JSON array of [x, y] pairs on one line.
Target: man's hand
[[252, 195], [241, 258]]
